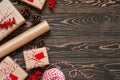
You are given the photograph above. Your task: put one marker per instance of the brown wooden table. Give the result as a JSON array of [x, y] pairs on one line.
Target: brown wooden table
[[85, 33]]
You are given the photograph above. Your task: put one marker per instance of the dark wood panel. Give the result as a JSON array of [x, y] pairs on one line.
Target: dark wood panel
[[84, 24], [84, 46], [80, 6], [98, 3], [76, 8], [90, 65]]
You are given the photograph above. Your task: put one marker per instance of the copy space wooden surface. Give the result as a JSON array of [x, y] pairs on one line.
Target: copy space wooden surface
[[85, 33]]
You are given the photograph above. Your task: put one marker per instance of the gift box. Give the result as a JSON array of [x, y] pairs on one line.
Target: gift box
[[36, 58], [10, 18], [10, 70], [36, 3]]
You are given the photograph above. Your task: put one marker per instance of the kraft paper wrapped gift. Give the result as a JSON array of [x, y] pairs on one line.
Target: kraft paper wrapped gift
[[36, 58], [10, 70], [9, 17], [36, 3]]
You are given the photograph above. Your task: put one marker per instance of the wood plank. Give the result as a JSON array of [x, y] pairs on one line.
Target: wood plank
[[76, 8], [99, 3], [84, 24], [80, 6], [84, 46]]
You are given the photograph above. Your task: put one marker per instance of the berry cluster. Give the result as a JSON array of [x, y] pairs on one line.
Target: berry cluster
[[51, 4]]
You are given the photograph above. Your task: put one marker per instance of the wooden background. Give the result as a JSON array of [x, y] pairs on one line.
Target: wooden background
[[85, 33]]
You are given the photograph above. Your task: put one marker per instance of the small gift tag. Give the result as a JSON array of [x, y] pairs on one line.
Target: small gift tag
[[10, 18], [36, 58], [36, 3], [10, 70]]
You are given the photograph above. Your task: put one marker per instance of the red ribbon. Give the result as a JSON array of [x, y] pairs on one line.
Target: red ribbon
[[31, 1]]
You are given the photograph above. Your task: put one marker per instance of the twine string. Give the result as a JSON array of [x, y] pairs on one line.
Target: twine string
[[72, 73]]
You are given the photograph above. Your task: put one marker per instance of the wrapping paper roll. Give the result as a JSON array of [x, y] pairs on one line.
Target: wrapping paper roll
[[24, 38]]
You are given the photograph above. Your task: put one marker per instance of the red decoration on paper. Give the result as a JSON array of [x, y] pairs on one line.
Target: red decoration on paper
[[51, 4], [39, 56], [13, 77], [31, 0], [8, 23]]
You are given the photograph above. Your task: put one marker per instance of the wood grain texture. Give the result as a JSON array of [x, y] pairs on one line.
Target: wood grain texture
[[82, 6], [84, 24], [90, 41], [86, 6]]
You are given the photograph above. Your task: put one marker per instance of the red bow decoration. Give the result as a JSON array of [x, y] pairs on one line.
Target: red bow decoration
[[8, 23]]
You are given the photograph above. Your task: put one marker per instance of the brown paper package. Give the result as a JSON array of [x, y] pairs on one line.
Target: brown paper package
[[6, 6], [31, 61], [7, 64]]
